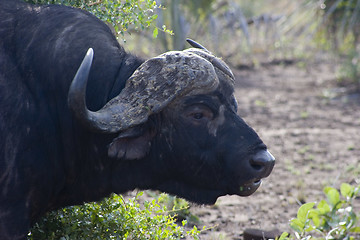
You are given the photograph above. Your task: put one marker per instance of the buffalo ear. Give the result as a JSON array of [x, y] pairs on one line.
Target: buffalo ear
[[133, 143]]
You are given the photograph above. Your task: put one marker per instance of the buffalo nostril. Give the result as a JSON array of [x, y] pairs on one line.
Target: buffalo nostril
[[263, 161]]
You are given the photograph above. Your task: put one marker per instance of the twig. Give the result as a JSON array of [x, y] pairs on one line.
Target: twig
[[94, 3]]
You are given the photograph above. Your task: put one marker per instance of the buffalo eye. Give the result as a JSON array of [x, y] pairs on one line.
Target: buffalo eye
[[199, 113]]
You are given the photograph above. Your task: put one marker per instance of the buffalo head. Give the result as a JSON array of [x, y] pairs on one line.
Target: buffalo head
[[178, 111]]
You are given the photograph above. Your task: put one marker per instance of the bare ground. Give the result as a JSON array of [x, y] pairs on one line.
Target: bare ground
[[312, 127]]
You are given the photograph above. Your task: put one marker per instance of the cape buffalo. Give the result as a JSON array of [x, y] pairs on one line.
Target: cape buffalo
[[71, 134]]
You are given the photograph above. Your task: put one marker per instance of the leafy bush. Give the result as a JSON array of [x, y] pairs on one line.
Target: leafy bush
[[333, 218], [122, 15], [180, 208], [112, 218]]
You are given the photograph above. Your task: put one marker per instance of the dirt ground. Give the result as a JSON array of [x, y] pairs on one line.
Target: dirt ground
[[312, 127]]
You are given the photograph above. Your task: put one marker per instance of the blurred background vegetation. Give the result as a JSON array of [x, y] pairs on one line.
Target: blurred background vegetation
[[245, 33], [249, 33]]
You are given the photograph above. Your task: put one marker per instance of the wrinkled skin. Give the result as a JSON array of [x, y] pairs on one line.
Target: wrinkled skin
[[196, 148]]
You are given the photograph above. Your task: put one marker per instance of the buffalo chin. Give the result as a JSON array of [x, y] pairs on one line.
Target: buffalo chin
[[191, 193], [248, 189], [205, 196]]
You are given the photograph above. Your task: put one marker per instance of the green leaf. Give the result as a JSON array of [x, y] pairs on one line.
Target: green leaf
[[155, 32], [327, 189], [309, 228], [314, 216], [323, 207], [297, 225], [284, 236], [346, 190], [303, 211], [333, 195]]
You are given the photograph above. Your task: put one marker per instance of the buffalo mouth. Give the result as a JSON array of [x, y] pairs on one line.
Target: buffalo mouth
[[248, 188], [261, 165]]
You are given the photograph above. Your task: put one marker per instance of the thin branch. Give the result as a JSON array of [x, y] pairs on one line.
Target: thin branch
[[95, 3]]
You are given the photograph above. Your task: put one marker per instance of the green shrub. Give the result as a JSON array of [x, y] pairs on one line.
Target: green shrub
[[112, 218], [333, 218], [122, 15], [179, 208]]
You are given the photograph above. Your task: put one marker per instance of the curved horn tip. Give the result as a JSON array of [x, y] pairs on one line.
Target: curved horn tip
[[195, 44], [77, 90], [86, 63], [84, 69], [90, 53]]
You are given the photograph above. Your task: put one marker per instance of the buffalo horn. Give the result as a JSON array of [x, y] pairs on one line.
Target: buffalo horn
[[214, 60], [77, 101], [195, 44], [153, 86]]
